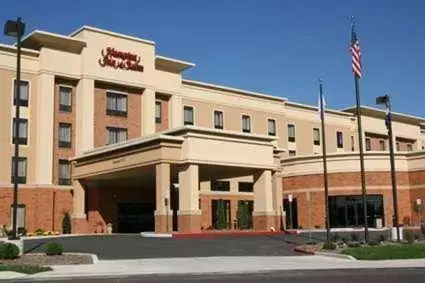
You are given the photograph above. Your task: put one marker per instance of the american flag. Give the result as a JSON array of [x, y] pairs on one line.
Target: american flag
[[355, 53]]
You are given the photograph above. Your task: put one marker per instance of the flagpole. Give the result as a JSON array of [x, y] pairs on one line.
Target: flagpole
[[360, 135], [325, 167]]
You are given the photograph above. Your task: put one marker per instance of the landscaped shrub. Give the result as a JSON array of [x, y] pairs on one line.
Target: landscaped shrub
[[9, 251], [382, 238], [410, 236], [335, 238], [353, 244], [423, 229], [66, 224], [39, 232], [374, 243], [54, 249], [330, 246], [354, 237]]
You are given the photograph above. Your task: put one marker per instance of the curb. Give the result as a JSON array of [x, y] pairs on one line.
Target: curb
[[300, 250], [334, 255], [226, 234]]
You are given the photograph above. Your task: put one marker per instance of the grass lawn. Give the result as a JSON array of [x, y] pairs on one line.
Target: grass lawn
[[402, 251], [27, 269]]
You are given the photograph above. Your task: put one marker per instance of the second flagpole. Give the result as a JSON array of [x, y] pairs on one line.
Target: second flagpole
[[325, 167]]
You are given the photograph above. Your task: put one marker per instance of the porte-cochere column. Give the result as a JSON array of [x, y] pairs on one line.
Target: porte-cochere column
[[189, 215], [163, 213], [264, 216]]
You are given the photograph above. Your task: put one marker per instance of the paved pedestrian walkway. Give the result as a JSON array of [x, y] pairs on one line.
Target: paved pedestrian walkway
[[213, 265]]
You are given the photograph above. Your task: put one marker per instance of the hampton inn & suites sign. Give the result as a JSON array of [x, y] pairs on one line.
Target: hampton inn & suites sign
[[120, 60]]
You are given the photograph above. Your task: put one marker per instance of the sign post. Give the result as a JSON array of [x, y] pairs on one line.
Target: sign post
[[290, 210]]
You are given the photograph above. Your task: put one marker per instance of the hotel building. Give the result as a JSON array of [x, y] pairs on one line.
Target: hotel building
[[111, 132]]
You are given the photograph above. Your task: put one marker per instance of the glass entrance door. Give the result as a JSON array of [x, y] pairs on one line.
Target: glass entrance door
[[347, 211]]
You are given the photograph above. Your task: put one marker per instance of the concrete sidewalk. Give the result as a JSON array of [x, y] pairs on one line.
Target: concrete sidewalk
[[114, 268]]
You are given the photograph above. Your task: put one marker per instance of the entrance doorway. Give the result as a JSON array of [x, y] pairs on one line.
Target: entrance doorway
[[347, 211], [291, 213], [135, 217]]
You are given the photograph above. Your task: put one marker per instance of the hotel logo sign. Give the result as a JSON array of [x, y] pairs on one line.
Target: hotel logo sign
[[120, 60]]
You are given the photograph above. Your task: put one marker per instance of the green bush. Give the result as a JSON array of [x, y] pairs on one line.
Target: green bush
[[382, 238], [423, 229], [374, 243], [330, 246], [54, 249], [354, 237], [9, 251], [410, 237], [353, 244]]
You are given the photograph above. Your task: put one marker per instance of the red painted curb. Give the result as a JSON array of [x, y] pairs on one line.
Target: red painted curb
[[224, 234], [304, 251]]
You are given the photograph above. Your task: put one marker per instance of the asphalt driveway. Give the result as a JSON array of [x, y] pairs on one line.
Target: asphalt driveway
[[135, 246]]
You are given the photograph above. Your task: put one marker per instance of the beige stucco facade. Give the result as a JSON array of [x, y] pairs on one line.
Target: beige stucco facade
[[161, 154]]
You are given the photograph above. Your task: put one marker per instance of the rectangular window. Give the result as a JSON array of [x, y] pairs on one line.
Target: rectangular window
[[245, 187], [116, 135], [64, 172], [339, 140], [22, 170], [24, 93], [397, 146], [409, 147], [158, 115], [116, 104], [218, 119], [316, 136], [382, 145], [65, 99], [292, 153], [291, 133], [20, 219], [271, 126], [65, 130], [368, 144], [188, 115], [23, 131], [246, 124], [352, 143], [222, 186]]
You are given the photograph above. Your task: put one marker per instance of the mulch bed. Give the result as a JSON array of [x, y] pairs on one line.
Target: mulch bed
[[43, 259]]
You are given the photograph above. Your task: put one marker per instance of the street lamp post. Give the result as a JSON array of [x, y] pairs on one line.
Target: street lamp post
[[16, 29], [387, 101]]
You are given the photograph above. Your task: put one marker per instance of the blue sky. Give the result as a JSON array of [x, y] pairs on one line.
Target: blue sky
[[276, 47]]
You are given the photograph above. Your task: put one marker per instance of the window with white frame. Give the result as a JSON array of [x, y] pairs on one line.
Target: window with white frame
[[64, 172], [65, 130], [271, 127], [292, 153], [218, 119], [339, 140], [316, 136], [188, 115], [24, 93], [246, 124], [409, 147], [23, 131], [65, 99], [22, 170], [116, 104], [115, 135], [158, 112], [291, 133]]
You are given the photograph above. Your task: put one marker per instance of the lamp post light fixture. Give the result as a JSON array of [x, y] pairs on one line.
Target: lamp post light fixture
[[16, 29], [388, 123]]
